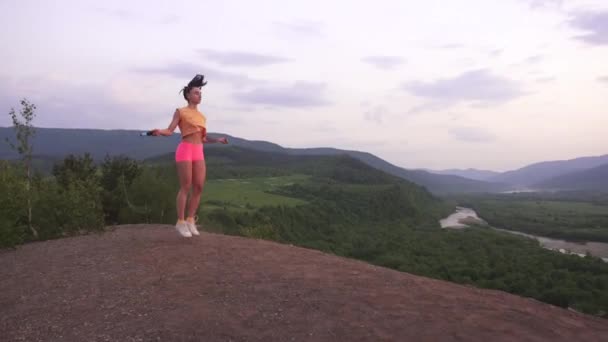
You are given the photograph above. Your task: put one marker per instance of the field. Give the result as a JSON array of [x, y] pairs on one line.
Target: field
[[249, 193]]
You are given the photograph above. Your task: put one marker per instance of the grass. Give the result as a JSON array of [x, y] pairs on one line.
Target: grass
[[249, 193]]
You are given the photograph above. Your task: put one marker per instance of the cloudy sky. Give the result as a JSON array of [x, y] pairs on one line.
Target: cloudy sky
[[489, 84]]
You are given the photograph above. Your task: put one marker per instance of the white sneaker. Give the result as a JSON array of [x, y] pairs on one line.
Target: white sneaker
[[192, 228], [182, 229]]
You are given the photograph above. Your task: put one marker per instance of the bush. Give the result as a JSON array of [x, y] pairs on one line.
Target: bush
[[262, 231], [13, 206], [117, 174], [148, 199], [66, 211]]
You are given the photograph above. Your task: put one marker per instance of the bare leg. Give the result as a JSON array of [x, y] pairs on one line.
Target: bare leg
[[199, 174], [184, 173]]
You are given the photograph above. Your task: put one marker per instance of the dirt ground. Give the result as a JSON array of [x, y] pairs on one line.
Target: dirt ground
[[145, 283]]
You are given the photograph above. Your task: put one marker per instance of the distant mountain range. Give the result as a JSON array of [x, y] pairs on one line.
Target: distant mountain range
[[52, 144], [475, 174], [539, 172], [55, 143], [585, 173], [595, 178]]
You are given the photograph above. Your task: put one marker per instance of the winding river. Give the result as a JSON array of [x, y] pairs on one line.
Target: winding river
[[462, 216]]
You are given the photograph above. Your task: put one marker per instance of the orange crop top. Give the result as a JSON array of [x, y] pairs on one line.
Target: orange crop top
[[191, 121]]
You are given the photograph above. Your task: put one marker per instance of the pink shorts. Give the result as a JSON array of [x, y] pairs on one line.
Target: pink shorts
[[189, 152]]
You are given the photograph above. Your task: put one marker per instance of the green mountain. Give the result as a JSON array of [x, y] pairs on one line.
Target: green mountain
[[435, 183], [58, 142], [50, 143], [239, 162]]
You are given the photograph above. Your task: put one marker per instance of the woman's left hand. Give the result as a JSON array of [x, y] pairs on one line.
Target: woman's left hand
[[222, 140]]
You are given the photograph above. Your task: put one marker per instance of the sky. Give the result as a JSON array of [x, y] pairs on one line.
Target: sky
[[486, 84]]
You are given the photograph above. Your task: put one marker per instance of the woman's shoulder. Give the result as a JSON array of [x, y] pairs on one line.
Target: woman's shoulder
[[188, 109], [182, 110]]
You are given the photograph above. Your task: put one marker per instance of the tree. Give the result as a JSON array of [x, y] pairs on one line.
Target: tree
[[114, 167], [25, 131], [75, 168], [117, 175]]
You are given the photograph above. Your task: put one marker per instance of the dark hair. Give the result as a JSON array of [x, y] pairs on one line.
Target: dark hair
[[186, 90], [197, 82]]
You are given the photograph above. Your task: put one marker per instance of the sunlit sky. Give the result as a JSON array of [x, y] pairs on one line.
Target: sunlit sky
[[488, 84]]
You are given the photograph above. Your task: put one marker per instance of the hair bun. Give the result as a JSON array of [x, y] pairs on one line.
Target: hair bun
[[197, 82]]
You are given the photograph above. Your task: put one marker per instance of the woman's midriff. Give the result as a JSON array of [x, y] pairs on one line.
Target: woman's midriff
[[194, 138]]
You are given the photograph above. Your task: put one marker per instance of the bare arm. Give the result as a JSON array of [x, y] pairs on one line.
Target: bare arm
[[210, 140], [168, 131]]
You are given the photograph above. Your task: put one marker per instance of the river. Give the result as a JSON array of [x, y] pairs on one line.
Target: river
[[462, 216]]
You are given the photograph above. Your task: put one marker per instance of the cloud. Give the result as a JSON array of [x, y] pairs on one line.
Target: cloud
[[376, 114], [186, 71], [240, 58], [430, 106], [471, 134], [450, 46], [64, 104], [301, 28], [444, 46], [349, 142], [384, 62], [169, 19], [130, 16], [115, 13], [324, 127], [594, 23], [496, 52], [546, 79], [300, 94], [476, 86], [529, 61], [534, 59], [231, 108], [543, 3]]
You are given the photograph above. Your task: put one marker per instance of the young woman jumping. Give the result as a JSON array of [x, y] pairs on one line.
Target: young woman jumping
[[189, 155]]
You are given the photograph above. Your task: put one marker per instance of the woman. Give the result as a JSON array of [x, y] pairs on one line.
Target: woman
[[189, 155]]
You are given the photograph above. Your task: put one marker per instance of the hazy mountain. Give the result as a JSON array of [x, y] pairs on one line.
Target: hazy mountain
[[475, 174], [52, 143], [539, 172], [590, 179]]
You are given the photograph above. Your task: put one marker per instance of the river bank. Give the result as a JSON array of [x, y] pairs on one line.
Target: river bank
[[465, 217]]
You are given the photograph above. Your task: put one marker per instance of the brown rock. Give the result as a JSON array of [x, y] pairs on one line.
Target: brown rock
[[145, 283]]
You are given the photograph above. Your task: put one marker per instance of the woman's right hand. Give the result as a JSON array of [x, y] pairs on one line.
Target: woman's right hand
[[156, 132]]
